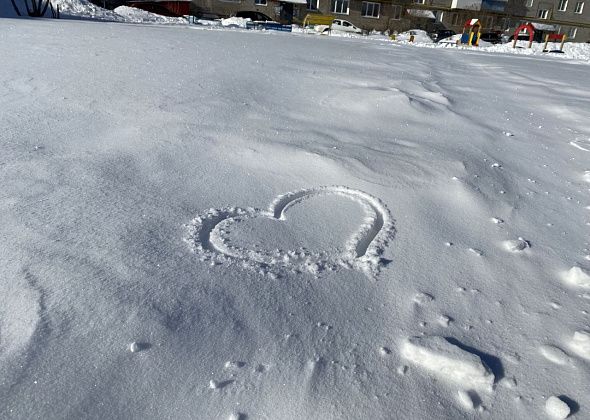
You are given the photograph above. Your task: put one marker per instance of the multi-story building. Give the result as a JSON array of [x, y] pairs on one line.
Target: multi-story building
[[565, 16]]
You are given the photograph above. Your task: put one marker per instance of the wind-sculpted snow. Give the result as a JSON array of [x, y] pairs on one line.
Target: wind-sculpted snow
[[303, 305], [208, 234]]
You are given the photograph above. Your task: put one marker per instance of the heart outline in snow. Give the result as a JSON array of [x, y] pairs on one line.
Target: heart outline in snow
[[362, 251]]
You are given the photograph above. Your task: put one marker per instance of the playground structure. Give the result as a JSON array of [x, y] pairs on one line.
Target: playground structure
[[526, 29], [536, 32], [471, 33], [313, 19], [554, 38]]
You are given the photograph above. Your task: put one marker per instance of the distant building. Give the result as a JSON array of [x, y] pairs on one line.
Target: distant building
[[571, 17]]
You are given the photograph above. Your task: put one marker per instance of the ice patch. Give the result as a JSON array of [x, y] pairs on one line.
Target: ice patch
[[577, 276], [586, 176], [207, 235], [448, 361], [580, 344], [557, 408]]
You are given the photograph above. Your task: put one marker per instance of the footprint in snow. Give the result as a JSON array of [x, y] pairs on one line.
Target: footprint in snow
[[516, 245]]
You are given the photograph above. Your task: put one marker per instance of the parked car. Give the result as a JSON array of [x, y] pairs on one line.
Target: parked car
[[345, 26], [491, 37], [254, 16], [442, 34]]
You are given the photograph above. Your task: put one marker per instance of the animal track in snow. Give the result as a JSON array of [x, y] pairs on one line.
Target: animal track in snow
[[213, 234]]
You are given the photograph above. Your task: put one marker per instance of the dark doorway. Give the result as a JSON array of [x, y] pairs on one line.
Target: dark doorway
[[286, 12]]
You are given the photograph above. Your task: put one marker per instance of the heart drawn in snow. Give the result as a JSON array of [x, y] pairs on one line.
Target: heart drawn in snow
[[208, 235]]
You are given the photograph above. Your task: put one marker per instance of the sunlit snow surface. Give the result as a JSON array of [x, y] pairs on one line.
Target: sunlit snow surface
[[407, 230]]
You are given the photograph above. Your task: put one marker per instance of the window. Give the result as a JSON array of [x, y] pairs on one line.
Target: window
[[579, 7], [419, 1], [370, 9], [313, 4], [571, 33], [489, 22], [529, 3], [562, 5], [455, 19], [340, 6], [543, 13], [260, 2], [396, 12]]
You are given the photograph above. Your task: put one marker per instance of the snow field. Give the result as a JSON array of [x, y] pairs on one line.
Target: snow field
[[120, 286]]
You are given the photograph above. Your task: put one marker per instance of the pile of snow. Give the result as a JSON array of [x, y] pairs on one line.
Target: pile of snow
[[580, 344], [133, 14], [578, 277], [448, 362], [454, 39], [235, 22], [557, 408], [571, 50], [84, 9], [419, 35], [68, 9]]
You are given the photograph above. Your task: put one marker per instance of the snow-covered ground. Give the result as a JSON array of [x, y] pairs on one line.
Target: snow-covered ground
[[243, 224], [571, 50]]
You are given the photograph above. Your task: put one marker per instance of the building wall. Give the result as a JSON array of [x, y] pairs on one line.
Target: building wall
[[387, 19], [452, 19], [582, 34]]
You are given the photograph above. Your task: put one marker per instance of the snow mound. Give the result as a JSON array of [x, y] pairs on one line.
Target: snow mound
[[557, 408], [419, 35], [235, 22], [571, 50], [448, 361], [84, 9], [577, 276], [580, 344], [133, 14], [554, 354]]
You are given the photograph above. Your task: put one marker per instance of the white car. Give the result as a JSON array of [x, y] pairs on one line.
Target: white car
[[345, 26]]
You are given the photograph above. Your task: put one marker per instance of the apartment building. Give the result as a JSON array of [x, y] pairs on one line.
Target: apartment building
[[571, 17]]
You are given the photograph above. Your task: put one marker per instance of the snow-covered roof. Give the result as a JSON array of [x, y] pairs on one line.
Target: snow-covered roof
[[543, 26], [427, 14]]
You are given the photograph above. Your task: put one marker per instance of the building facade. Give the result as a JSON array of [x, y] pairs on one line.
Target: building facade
[[571, 17]]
